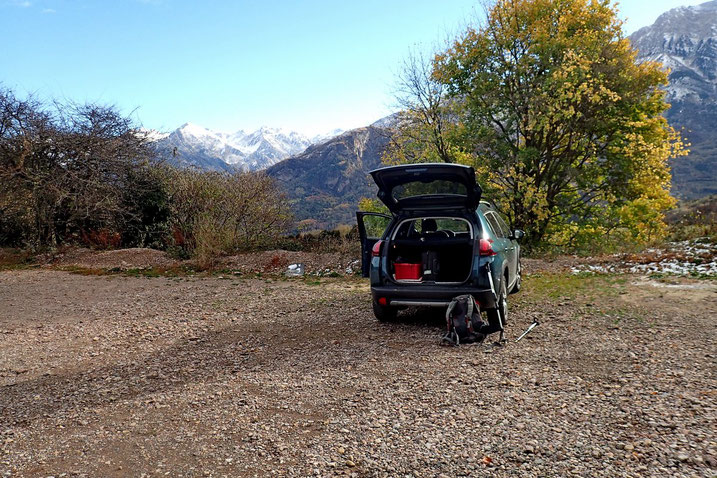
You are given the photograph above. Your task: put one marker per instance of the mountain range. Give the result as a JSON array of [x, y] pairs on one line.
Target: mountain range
[[684, 39], [193, 145]]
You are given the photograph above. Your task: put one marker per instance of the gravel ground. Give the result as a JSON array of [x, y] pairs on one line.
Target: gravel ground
[[123, 259], [273, 262], [131, 376]]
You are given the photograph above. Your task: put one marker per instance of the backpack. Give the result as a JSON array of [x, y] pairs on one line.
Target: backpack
[[463, 321]]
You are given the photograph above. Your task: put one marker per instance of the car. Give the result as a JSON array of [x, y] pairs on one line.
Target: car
[[440, 241]]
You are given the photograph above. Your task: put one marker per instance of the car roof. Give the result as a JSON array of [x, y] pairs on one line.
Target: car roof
[[485, 204]]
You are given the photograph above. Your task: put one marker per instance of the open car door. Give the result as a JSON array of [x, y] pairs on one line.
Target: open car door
[[371, 226], [427, 186]]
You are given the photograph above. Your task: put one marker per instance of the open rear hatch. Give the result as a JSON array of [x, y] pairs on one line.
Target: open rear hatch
[[427, 186]]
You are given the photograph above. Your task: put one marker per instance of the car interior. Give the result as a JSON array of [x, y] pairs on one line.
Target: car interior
[[431, 250]]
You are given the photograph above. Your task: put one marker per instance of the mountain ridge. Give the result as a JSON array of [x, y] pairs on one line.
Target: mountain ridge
[[325, 182], [194, 145], [684, 39]]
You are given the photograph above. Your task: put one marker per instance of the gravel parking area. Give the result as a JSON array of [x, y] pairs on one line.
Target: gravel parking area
[[236, 376]]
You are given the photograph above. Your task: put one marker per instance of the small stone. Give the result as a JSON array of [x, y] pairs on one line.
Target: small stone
[[682, 456], [350, 463], [629, 447]]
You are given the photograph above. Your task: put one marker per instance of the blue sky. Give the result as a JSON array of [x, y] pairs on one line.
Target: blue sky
[[305, 65]]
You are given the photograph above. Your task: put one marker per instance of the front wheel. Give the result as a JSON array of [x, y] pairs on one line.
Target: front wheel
[[383, 313]]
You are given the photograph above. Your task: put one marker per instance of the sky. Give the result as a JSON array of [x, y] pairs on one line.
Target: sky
[[305, 65]]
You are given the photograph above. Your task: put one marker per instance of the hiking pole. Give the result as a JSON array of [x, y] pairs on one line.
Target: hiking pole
[[501, 337], [532, 326]]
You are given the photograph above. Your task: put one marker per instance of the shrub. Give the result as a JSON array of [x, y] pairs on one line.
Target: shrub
[[344, 239], [213, 213], [101, 239]]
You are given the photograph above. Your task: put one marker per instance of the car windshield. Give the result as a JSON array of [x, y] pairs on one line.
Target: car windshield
[[428, 226]]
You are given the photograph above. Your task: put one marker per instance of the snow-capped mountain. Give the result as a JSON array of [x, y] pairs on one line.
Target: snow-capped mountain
[[322, 138], [684, 39], [266, 146], [191, 144]]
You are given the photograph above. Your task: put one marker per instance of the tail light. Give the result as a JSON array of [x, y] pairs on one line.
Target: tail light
[[376, 251], [486, 247]]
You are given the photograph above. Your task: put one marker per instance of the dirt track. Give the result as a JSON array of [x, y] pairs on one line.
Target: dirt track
[[132, 376]]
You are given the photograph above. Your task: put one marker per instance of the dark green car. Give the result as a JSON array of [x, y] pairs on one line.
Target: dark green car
[[440, 241]]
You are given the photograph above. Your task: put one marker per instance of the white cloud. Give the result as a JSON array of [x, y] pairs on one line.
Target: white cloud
[[49, 10], [19, 3]]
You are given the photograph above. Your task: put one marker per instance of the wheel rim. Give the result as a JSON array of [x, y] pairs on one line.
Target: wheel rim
[[520, 272]]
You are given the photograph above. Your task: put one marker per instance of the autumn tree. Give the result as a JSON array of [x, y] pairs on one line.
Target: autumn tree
[[546, 100], [68, 171], [422, 127]]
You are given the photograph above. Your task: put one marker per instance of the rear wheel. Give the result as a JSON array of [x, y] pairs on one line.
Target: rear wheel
[[383, 313]]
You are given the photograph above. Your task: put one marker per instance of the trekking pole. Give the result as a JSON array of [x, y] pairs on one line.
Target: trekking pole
[[532, 326]]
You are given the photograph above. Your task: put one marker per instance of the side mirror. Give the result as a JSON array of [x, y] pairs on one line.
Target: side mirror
[[517, 235]]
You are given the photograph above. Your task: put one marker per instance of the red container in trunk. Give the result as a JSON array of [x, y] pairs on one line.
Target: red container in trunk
[[407, 271]]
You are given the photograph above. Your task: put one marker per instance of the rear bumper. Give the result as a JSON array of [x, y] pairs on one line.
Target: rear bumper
[[427, 295]]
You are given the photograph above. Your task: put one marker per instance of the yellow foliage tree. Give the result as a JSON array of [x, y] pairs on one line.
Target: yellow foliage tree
[[565, 129]]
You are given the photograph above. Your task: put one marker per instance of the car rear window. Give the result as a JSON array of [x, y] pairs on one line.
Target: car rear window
[[438, 187]]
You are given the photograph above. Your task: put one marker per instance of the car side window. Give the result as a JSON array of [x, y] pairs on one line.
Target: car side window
[[503, 225], [494, 224]]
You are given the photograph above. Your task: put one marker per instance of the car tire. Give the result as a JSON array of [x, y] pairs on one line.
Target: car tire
[[383, 313], [501, 310], [516, 286]]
